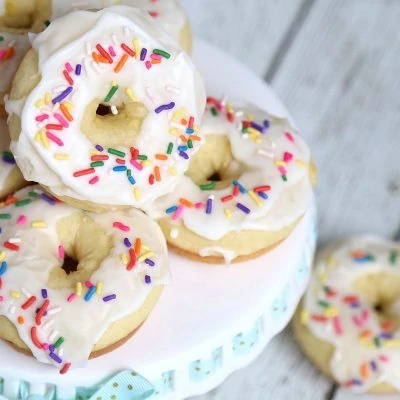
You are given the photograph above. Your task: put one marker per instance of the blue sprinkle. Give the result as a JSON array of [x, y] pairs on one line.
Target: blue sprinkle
[[3, 268], [149, 262], [240, 186], [131, 180], [127, 242], [182, 148], [55, 357], [171, 209], [183, 155], [99, 148], [90, 293], [263, 195], [48, 199], [44, 293], [120, 168], [147, 279], [189, 131], [78, 69]]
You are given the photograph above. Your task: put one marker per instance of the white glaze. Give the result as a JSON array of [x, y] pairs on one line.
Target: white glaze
[[90, 28], [286, 201], [5, 168], [9, 66], [80, 322], [337, 269], [168, 13], [228, 255]]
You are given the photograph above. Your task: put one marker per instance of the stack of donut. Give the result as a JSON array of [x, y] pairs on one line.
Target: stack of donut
[[105, 115]]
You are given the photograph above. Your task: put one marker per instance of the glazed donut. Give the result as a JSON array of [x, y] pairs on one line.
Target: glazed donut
[[104, 126], [245, 189], [348, 322], [168, 13], [75, 284], [11, 178]]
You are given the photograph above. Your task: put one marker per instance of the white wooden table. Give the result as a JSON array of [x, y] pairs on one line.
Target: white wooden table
[[336, 65]]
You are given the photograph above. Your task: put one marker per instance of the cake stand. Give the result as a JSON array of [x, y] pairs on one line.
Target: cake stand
[[212, 320]]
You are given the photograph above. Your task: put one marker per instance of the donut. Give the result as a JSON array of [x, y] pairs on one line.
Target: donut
[[11, 178], [348, 322], [108, 116], [245, 190], [75, 284], [168, 13]]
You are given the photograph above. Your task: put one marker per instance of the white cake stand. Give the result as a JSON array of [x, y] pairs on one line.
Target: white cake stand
[[213, 319]]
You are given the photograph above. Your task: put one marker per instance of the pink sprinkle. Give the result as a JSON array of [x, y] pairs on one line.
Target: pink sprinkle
[[71, 297], [1, 298], [88, 284], [137, 165], [61, 252], [68, 67], [45, 346], [21, 220], [383, 358], [94, 180], [178, 212], [287, 157], [282, 170], [121, 226], [54, 139], [42, 117], [61, 120], [337, 325], [289, 136], [198, 205], [148, 64], [365, 315], [155, 57], [112, 51], [357, 321], [2, 53]]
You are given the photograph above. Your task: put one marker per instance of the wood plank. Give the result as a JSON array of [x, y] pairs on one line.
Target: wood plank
[[340, 80], [251, 31], [280, 372]]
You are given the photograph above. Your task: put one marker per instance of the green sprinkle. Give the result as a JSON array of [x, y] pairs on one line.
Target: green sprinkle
[[326, 288], [393, 257], [111, 93], [377, 341], [170, 148], [128, 172], [162, 53], [59, 342], [33, 194], [208, 186], [116, 152], [8, 154], [214, 111], [190, 144], [323, 303], [97, 164], [284, 178], [5, 216], [1, 38], [142, 157], [22, 202]]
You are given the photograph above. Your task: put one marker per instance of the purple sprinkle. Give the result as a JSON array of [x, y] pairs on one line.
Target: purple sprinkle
[[143, 54], [184, 155], [47, 198], [149, 262], [55, 357], [8, 161], [147, 279], [259, 127], [374, 366], [44, 293], [357, 382], [209, 205], [51, 348], [355, 305], [99, 148], [127, 243], [78, 69], [263, 195], [109, 297], [386, 335], [1, 230], [63, 95], [266, 124], [165, 107], [243, 208]]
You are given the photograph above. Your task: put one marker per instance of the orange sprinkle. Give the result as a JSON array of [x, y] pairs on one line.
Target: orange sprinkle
[[156, 61], [184, 121], [183, 138], [358, 254], [157, 174], [10, 53], [102, 60], [68, 116], [10, 200], [20, 320], [194, 138], [161, 157], [364, 371], [185, 202], [388, 325], [138, 246], [365, 334], [95, 57], [121, 63]]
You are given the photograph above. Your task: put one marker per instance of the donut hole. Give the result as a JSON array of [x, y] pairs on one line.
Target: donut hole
[[214, 162], [112, 125], [86, 244]]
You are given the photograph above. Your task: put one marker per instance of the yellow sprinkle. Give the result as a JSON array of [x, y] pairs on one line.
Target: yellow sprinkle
[[313, 173], [99, 288], [15, 294], [61, 156], [94, 152], [39, 104], [130, 94], [44, 139], [279, 163], [174, 131], [114, 83], [253, 131], [146, 163], [178, 115], [69, 105], [145, 255], [249, 117], [322, 277], [392, 343], [137, 193], [47, 98], [2, 255], [300, 164], [330, 312], [145, 248], [255, 198], [78, 289], [304, 317], [38, 137], [196, 128], [228, 213], [229, 108], [124, 259], [172, 171], [38, 224], [136, 46], [330, 261]]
